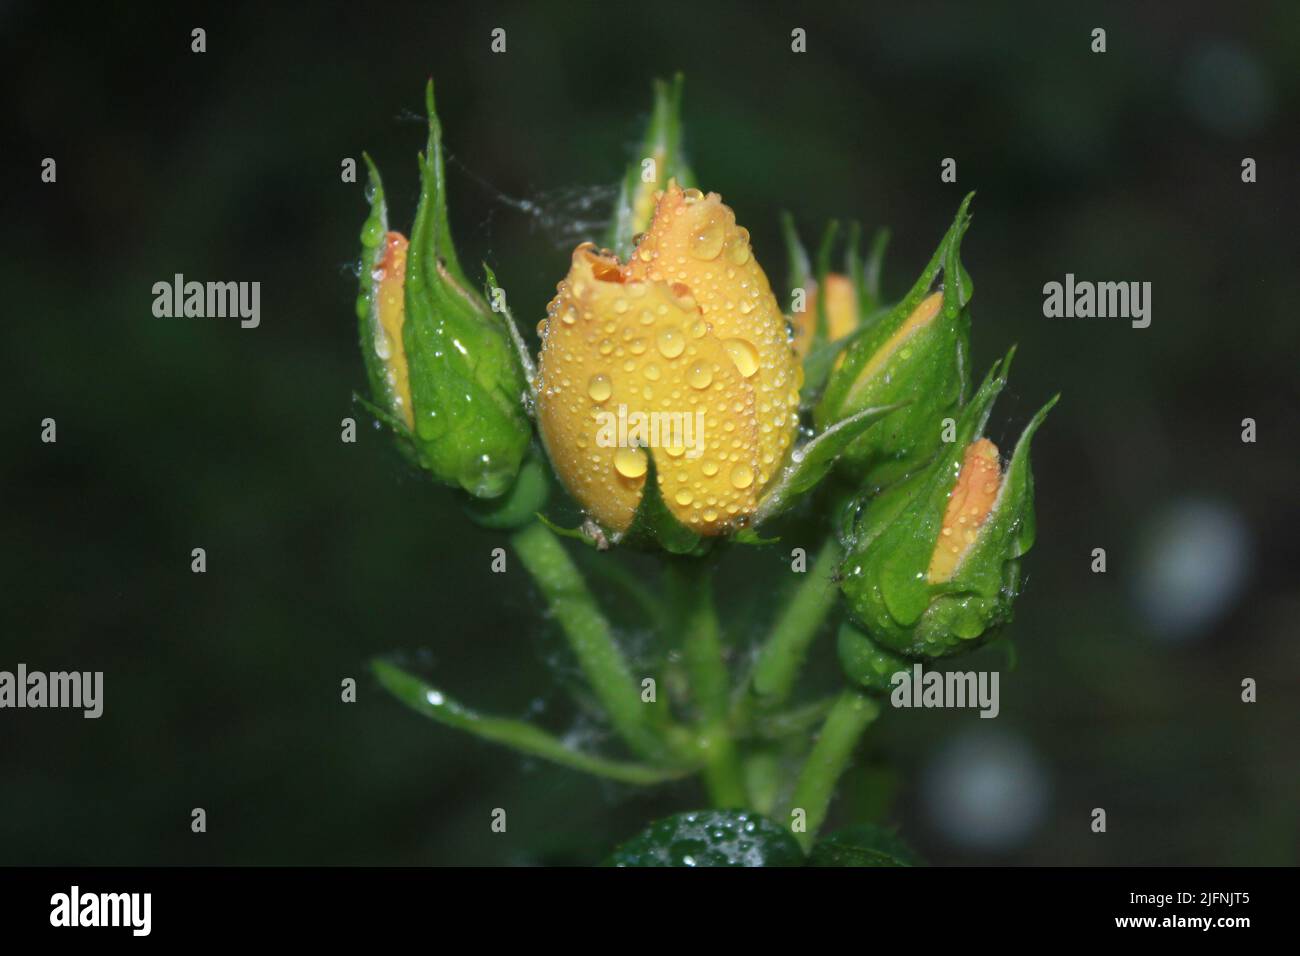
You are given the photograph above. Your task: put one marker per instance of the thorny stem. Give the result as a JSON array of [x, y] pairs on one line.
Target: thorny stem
[[782, 655], [591, 638], [849, 718]]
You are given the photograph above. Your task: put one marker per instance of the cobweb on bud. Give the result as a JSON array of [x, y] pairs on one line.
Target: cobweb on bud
[[564, 216]]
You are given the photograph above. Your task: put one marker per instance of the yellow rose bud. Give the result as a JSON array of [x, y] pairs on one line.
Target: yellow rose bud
[[686, 338], [969, 505], [841, 314]]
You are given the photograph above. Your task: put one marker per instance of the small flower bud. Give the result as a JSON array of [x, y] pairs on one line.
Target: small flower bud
[[443, 371], [933, 563], [916, 355]]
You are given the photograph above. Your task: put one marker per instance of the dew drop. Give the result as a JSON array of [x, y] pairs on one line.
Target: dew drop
[[671, 343], [743, 354], [700, 375], [630, 462], [739, 251], [599, 388], [742, 476], [707, 241]]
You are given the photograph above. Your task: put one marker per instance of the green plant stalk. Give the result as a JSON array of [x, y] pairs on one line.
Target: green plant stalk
[[710, 683], [849, 718], [783, 652], [516, 734], [590, 638]]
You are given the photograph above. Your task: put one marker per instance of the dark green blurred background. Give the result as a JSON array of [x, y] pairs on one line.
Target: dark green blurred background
[[222, 690]]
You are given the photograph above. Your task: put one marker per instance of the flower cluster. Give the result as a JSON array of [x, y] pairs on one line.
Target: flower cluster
[[679, 404]]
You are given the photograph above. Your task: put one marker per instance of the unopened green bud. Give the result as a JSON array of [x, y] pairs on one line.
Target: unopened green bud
[[917, 355], [443, 370], [933, 563]]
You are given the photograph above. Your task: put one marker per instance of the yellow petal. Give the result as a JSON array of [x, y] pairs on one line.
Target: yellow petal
[[968, 508], [390, 276], [921, 316], [695, 246]]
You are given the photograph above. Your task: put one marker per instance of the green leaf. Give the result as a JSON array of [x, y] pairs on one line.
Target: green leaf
[[662, 143], [710, 838], [515, 734], [863, 845], [809, 464]]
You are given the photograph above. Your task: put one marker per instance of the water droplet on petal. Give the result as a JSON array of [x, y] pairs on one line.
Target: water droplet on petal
[[630, 462], [743, 354], [708, 238], [671, 343], [700, 375], [599, 388], [742, 476]]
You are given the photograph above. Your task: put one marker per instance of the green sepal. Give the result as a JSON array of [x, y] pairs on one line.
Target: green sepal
[[863, 845], [710, 838], [525, 357], [518, 506], [821, 321], [403, 439], [751, 537], [576, 534], [810, 463], [440, 226], [867, 280], [799, 274], [929, 370], [467, 385], [654, 526], [662, 142], [819, 362]]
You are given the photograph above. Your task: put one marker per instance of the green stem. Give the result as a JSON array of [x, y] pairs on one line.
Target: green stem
[[516, 734], [710, 682], [783, 652], [590, 637], [844, 726]]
